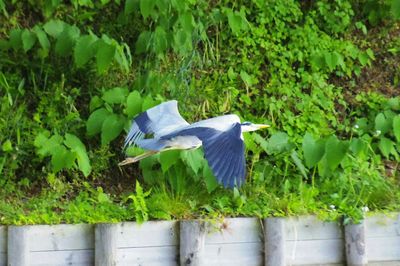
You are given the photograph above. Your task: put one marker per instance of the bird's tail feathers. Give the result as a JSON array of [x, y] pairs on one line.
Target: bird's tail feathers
[[137, 158]]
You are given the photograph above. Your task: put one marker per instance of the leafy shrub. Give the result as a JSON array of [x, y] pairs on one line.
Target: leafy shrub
[[74, 74]]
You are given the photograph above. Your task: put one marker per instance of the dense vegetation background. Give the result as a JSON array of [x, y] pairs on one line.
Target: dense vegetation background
[[325, 74]]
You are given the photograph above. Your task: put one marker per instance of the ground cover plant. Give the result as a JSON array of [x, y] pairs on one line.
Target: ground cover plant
[[324, 74]]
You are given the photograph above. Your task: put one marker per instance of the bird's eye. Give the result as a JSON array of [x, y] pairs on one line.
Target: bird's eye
[[246, 123]]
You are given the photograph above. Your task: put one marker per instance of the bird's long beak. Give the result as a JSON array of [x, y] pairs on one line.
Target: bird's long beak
[[261, 126]]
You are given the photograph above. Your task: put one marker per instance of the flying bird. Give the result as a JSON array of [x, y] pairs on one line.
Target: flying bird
[[221, 138]]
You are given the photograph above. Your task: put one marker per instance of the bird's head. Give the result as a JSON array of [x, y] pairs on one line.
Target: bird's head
[[248, 126]]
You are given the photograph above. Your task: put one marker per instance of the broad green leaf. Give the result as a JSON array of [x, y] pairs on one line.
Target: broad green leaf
[[358, 146], [395, 8], [146, 7], [335, 151], [162, 5], [95, 102], [193, 158], [317, 61], [41, 138], [352, 50], [66, 40], [389, 115], [235, 21], [103, 197], [168, 159], [42, 38], [331, 60], [232, 75], [386, 146], [7, 146], [339, 60], [361, 26], [187, 21], [95, 121], [28, 39], [394, 103], [54, 27], [148, 102], [299, 163], [75, 144], [160, 40], [104, 56], [84, 49], [83, 162], [248, 80], [45, 146], [382, 124], [370, 53], [115, 95], [130, 6], [143, 42], [209, 179], [15, 38], [62, 158], [150, 175], [111, 128], [323, 167], [362, 124], [246, 99], [134, 104], [149, 162], [49, 7], [88, 3], [396, 127], [312, 150], [181, 38], [363, 58], [279, 142], [179, 5], [132, 151]]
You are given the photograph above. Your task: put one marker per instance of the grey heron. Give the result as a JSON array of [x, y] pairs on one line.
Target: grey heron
[[221, 138]]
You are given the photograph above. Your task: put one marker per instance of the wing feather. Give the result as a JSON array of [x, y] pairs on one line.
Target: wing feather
[[223, 168], [224, 151], [232, 174], [159, 120]]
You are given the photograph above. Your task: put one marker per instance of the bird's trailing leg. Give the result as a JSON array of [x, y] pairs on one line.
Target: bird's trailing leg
[[137, 158]]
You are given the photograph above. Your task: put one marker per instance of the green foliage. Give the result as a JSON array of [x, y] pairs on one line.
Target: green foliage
[[66, 153], [377, 11], [313, 150], [111, 113], [73, 74], [68, 41], [139, 204]]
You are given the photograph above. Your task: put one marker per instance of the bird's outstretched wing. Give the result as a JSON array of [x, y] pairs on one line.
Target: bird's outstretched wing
[[159, 120], [224, 151]]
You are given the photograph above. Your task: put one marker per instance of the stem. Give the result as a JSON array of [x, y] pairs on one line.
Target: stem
[[313, 177], [286, 167]]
